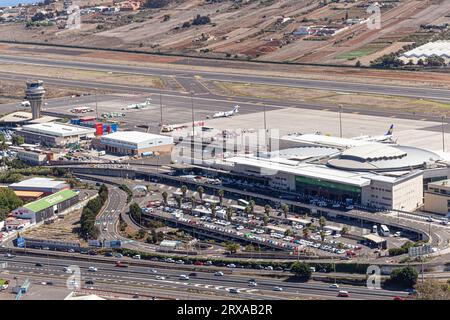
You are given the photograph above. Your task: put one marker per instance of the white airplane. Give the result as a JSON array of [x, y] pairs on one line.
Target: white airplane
[[227, 113], [138, 105], [387, 137]]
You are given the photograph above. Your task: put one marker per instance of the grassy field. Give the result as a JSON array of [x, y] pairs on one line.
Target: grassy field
[[327, 98], [356, 54]]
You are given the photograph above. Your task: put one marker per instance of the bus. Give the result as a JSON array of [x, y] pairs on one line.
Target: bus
[[384, 230], [243, 202]]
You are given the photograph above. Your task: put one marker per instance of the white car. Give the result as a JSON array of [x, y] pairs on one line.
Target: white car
[[397, 234], [154, 271], [218, 274], [277, 289], [252, 284], [231, 265], [334, 286], [183, 277], [160, 278], [93, 269]]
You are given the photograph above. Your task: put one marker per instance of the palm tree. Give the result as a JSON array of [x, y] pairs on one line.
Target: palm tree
[[322, 222], [184, 190], [179, 201], [200, 191], [322, 235], [251, 204], [285, 209], [266, 220], [193, 202], [267, 209], [220, 194], [213, 210], [305, 233], [165, 195], [229, 214]]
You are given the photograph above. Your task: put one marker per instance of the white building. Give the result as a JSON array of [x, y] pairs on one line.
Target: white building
[[32, 157], [55, 134], [136, 143], [439, 48]]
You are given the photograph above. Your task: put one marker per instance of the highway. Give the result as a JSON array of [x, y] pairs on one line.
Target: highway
[[143, 280], [416, 92]]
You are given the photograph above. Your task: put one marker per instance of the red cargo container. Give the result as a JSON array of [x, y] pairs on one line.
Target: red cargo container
[[87, 119], [98, 129]]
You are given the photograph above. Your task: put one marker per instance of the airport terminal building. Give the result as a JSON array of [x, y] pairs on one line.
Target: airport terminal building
[[374, 174]]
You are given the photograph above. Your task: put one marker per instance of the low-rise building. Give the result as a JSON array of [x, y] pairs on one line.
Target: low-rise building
[[28, 196], [35, 158], [55, 134], [45, 208], [135, 143], [40, 184], [437, 197]]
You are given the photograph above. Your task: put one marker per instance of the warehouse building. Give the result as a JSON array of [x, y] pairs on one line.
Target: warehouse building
[[135, 143], [47, 207], [55, 134], [39, 184], [439, 48], [372, 174], [35, 158]]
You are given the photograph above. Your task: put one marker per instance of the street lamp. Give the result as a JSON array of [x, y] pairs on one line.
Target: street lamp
[[443, 135], [340, 120]]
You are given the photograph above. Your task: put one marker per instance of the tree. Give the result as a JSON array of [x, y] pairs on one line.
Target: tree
[[344, 230], [267, 209], [184, 190], [433, 290], [135, 212], [288, 233], [193, 202], [17, 140], [301, 270], [9, 200], [232, 247], [213, 210], [404, 277], [266, 220], [179, 202], [285, 209], [322, 222], [305, 232], [251, 205], [435, 61], [220, 194], [229, 214], [141, 233], [322, 235], [200, 191], [164, 195]]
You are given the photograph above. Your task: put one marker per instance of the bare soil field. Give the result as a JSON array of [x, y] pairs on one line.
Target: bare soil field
[[254, 29], [61, 230]]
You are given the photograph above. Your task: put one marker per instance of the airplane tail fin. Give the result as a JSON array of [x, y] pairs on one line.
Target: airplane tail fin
[[390, 131]]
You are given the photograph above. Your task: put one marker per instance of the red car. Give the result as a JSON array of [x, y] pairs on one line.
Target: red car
[[398, 298], [343, 293], [198, 263]]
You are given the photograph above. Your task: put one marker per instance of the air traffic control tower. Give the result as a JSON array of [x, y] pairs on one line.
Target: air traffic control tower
[[35, 94]]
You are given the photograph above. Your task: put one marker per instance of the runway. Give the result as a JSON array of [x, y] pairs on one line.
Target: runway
[[416, 92]]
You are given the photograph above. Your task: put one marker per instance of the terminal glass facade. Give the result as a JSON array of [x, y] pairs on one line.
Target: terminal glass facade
[[327, 189]]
